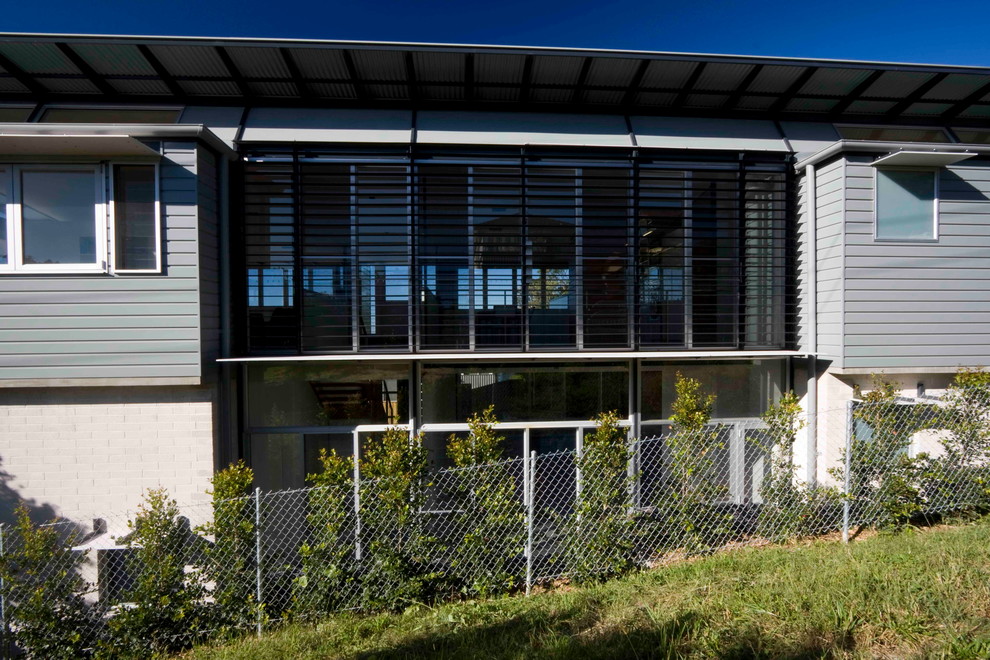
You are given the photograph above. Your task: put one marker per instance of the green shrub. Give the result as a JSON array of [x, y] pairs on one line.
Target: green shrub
[[698, 523], [884, 480], [326, 581], [491, 525], [600, 542], [164, 612], [395, 564], [962, 474], [790, 507], [43, 591], [230, 561]]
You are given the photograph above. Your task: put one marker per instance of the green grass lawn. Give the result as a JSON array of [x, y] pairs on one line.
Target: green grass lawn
[[922, 593]]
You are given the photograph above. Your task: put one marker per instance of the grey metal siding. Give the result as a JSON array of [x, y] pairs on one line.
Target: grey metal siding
[[919, 304], [97, 326], [829, 200], [209, 260]]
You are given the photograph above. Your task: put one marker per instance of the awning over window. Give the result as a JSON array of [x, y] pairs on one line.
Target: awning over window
[[923, 158], [70, 146]]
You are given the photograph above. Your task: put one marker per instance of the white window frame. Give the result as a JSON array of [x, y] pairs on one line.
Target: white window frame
[[7, 182], [112, 223], [15, 217], [934, 171]]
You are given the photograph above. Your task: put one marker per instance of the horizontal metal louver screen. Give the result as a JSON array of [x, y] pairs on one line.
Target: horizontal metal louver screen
[[444, 251]]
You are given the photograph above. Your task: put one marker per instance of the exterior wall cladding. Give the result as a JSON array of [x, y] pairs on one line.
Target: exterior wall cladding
[[378, 234]]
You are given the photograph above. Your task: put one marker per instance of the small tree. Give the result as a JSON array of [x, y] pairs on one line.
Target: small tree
[[230, 560], [326, 581], [43, 590], [600, 544], [396, 567], [164, 611], [491, 522], [694, 486], [787, 505]]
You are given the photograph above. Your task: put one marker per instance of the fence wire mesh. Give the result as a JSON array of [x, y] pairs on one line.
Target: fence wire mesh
[[250, 563]]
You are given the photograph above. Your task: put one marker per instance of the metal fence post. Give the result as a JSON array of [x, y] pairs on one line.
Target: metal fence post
[[845, 479], [357, 496], [257, 556], [5, 630], [578, 477], [529, 466]]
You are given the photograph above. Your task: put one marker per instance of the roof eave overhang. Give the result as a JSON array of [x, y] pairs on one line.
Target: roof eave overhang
[[114, 137], [866, 146]]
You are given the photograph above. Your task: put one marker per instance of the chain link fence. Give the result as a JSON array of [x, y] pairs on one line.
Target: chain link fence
[[251, 563]]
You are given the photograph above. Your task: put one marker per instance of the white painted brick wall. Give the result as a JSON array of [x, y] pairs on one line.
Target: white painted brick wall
[[86, 453]]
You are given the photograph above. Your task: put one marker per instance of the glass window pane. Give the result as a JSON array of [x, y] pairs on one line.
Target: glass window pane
[[59, 218], [135, 221], [341, 394], [905, 204], [549, 392], [741, 389], [14, 114]]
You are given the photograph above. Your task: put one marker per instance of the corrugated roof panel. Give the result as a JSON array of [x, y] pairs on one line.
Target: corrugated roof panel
[[956, 86], [611, 72], [320, 63], [705, 133], [665, 74], [258, 62], [114, 59], [443, 92], [498, 68], [927, 109], [775, 79], [834, 81], [602, 96], [138, 86], [210, 87], [976, 111], [327, 125], [439, 67], [556, 70], [897, 84], [280, 89], [190, 60], [706, 100], [799, 104], [871, 107], [755, 102], [551, 95], [387, 65], [518, 128], [656, 99], [333, 90], [722, 77], [8, 84], [390, 92], [38, 57], [69, 85], [509, 94]]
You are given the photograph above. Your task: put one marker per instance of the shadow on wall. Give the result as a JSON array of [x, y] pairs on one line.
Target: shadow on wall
[[10, 499]]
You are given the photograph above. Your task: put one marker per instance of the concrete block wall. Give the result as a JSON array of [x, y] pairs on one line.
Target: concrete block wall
[[85, 453]]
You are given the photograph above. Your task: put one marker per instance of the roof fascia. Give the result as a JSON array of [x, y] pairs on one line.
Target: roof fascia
[[870, 146], [197, 132]]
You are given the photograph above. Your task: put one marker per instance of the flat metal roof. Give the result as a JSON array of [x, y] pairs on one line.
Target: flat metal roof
[[59, 68]]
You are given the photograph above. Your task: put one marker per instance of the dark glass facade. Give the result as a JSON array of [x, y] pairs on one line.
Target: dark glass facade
[[374, 251]]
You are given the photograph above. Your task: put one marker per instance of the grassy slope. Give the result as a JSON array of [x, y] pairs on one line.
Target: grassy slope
[[918, 594]]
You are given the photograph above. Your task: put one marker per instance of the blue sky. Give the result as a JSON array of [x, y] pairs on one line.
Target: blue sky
[[954, 32]]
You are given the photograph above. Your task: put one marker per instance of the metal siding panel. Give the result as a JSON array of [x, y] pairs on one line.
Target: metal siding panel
[[704, 133], [328, 125], [102, 327], [437, 127]]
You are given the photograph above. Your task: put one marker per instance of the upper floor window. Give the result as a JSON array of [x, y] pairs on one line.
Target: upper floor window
[[55, 219], [906, 205], [893, 133]]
